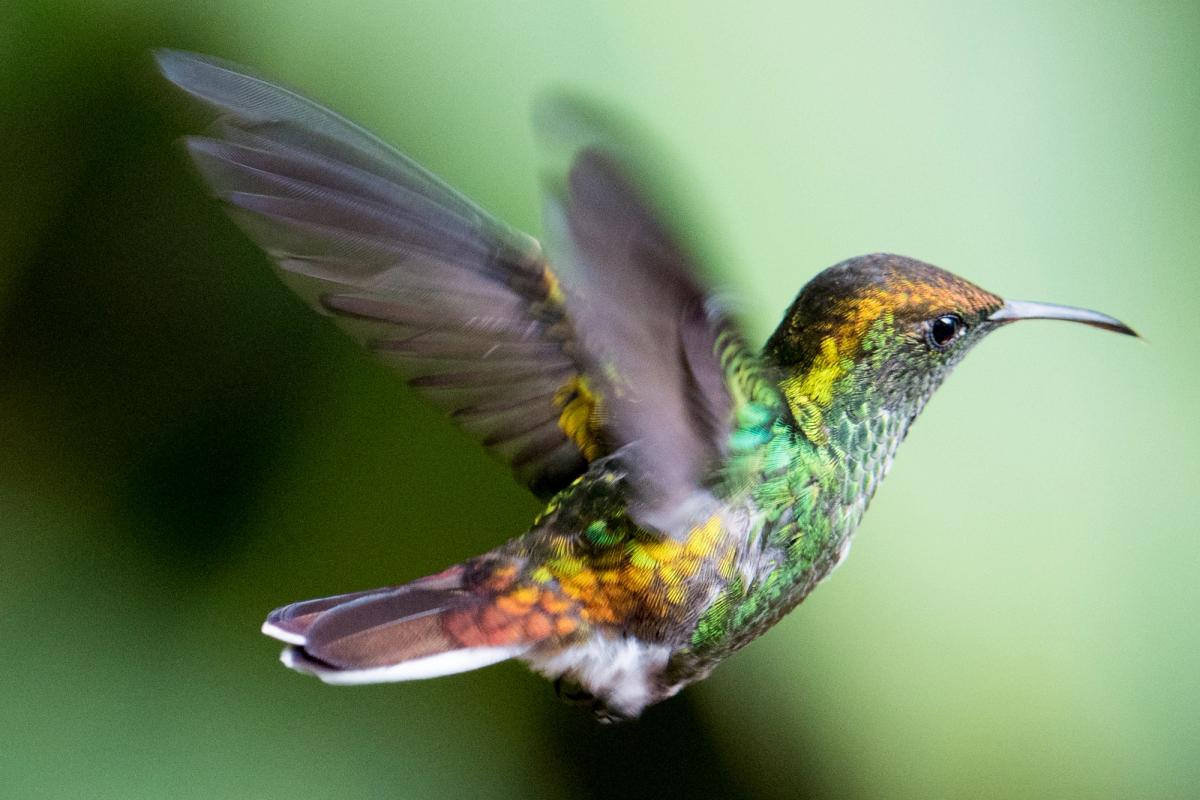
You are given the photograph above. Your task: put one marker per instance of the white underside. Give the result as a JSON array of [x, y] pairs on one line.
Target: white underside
[[622, 671], [428, 667]]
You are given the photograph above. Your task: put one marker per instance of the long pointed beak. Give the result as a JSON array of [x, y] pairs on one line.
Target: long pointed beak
[[1013, 310]]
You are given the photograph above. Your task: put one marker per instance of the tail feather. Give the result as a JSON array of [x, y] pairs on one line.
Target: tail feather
[[446, 623], [291, 622], [433, 666]]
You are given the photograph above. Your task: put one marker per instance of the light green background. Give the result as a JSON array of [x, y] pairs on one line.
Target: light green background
[[182, 446]]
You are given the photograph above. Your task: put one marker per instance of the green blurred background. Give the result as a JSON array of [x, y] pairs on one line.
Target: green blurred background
[[183, 446]]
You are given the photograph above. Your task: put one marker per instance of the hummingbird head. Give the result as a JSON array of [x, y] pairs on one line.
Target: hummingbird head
[[883, 331]]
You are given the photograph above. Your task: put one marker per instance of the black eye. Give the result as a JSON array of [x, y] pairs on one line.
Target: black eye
[[944, 329]]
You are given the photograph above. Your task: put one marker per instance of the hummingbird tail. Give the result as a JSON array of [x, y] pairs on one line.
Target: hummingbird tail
[[470, 616]]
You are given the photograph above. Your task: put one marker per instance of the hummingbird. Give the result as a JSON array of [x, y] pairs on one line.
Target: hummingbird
[[696, 489]]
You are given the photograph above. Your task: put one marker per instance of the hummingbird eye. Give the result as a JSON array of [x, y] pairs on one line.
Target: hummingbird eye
[[944, 330]]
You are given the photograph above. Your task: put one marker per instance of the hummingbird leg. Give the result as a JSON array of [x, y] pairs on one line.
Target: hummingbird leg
[[571, 691]]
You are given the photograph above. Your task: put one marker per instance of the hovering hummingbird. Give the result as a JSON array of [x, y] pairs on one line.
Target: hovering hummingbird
[[696, 490]]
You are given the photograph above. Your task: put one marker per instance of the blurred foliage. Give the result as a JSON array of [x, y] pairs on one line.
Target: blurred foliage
[[183, 446]]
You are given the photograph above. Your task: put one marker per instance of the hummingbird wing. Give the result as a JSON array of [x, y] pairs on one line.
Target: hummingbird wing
[[682, 391], [461, 304]]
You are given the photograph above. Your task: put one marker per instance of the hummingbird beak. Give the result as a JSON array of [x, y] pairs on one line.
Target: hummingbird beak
[[1013, 310]]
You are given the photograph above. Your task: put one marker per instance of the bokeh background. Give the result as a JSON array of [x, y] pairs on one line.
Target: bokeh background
[[183, 446]]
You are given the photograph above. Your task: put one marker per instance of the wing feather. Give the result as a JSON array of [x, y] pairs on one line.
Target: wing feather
[[671, 365], [461, 304]]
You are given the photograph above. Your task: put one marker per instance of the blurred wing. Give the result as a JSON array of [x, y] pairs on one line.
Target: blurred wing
[[678, 381], [464, 306]]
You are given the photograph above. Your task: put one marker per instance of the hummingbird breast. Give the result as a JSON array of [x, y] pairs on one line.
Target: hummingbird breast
[[808, 502]]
